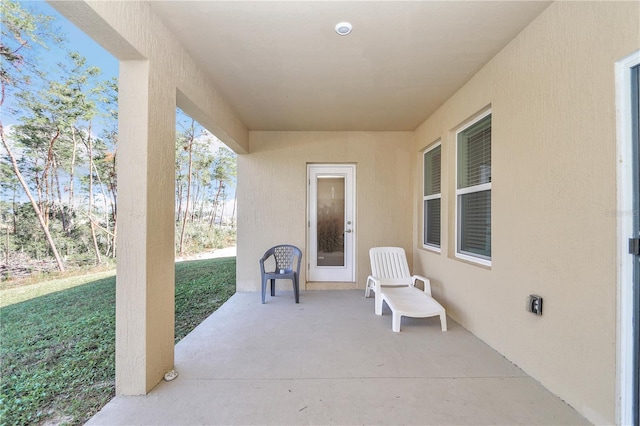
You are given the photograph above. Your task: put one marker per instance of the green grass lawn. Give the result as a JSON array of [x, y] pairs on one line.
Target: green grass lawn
[[57, 351]]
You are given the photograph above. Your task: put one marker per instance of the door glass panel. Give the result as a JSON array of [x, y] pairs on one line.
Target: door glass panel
[[330, 216]]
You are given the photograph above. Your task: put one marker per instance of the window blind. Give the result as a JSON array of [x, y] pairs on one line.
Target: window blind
[[432, 169], [474, 154], [475, 221], [431, 192], [432, 222], [474, 189]]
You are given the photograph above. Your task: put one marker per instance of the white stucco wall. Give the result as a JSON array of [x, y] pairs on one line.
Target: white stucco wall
[[551, 91], [272, 191]]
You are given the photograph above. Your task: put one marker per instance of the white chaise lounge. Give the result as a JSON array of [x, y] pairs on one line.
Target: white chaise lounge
[[392, 283]]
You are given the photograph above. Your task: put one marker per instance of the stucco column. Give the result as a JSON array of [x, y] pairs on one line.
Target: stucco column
[[145, 270]]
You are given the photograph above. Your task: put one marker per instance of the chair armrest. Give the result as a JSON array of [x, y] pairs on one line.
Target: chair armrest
[[264, 258], [376, 282], [383, 281], [425, 280]]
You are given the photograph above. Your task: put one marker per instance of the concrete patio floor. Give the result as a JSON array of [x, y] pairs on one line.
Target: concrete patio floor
[[330, 360]]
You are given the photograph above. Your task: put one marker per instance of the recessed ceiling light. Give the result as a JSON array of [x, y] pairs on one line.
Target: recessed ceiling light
[[343, 28]]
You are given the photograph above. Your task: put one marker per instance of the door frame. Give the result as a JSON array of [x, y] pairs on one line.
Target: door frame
[[350, 210], [625, 330]]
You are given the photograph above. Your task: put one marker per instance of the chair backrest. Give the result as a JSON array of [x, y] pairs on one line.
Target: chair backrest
[[390, 264], [286, 256]]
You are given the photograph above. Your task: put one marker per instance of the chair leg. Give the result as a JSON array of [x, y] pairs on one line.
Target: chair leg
[[273, 288], [296, 289], [264, 288], [367, 289], [378, 303], [395, 322], [443, 321]]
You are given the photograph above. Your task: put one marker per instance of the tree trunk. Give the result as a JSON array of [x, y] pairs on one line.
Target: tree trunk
[[186, 207], [112, 186], [215, 204], [40, 201], [224, 195], [38, 212], [13, 206], [196, 214], [72, 167], [179, 185], [233, 214], [202, 205], [63, 213], [89, 145], [105, 206], [47, 180]]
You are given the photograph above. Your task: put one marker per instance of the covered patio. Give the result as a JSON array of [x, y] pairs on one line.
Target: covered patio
[[330, 360], [547, 84]]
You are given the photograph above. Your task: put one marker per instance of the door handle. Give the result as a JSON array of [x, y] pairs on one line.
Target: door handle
[[348, 231]]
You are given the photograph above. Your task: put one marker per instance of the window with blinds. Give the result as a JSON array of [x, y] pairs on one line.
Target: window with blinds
[[431, 196], [473, 190]]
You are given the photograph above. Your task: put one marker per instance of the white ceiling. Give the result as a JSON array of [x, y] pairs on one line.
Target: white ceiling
[[282, 66]]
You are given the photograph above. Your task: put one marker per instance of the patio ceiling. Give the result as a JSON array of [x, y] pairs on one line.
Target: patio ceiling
[[282, 66]]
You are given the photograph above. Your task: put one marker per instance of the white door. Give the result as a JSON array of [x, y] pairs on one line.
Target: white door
[[331, 227]]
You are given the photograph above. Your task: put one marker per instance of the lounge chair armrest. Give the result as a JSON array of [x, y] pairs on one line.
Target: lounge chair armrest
[[425, 280], [382, 281], [376, 282], [379, 282]]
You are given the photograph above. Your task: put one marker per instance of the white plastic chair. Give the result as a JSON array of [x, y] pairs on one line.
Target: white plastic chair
[[392, 283]]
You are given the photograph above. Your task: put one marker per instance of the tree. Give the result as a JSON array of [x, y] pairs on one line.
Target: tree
[[21, 33], [53, 146], [104, 167], [106, 161], [186, 141], [22, 30], [224, 170], [205, 173], [87, 93]]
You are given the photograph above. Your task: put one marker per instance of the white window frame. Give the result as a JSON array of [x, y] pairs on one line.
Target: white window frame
[[426, 198], [468, 190]]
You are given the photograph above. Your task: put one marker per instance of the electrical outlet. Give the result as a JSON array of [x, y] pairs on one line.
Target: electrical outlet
[[534, 304]]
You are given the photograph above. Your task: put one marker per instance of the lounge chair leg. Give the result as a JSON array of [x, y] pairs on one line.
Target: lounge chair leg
[[395, 322], [443, 321], [378, 304]]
